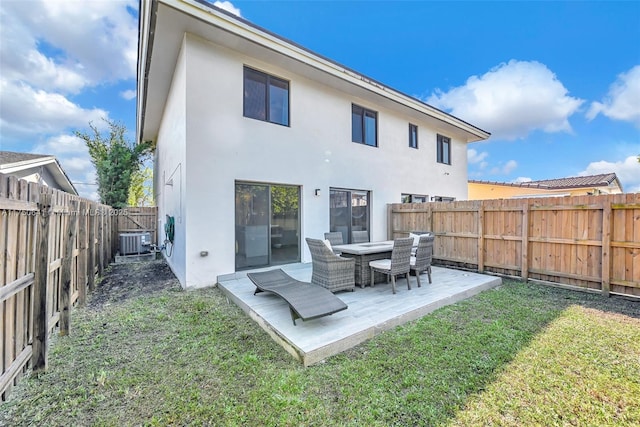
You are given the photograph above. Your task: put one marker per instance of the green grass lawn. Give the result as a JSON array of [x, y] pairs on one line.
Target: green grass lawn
[[520, 354]]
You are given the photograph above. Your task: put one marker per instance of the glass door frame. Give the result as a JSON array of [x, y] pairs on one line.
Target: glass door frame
[[349, 199], [271, 243]]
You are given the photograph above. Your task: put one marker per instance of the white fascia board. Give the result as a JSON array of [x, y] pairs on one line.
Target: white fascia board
[[213, 16], [26, 164], [145, 11], [61, 177]]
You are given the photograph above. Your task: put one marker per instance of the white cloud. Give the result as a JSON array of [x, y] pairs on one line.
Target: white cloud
[[30, 112], [474, 157], [73, 155], [128, 94], [51, 50], [68, 45], [623, 100], [228, 6], [627, 170], [61, 144], [520, 179], [509, 167], [505, 169], [512, 100]]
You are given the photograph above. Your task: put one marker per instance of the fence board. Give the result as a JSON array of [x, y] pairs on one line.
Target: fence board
[[36, 222], [586, 242]]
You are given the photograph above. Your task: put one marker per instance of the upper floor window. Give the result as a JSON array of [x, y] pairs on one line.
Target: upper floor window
[[364, 126], [266, 97], [413, 136], [444, 150]]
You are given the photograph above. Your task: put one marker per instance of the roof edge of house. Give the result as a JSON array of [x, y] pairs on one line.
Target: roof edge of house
[[226, 20]]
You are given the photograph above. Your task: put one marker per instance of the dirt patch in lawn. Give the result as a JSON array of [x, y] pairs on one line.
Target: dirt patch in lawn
[[129, 280]]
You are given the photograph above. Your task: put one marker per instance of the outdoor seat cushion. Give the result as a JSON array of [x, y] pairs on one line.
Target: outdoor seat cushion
[[383, 264]]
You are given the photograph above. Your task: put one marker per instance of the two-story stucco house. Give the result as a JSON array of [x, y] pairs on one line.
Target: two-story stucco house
[[261, 143]]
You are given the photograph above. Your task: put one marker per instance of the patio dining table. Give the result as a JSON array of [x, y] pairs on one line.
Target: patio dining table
[[363, 253]]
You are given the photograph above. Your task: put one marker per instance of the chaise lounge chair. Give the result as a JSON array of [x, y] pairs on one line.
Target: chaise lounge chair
[[306, 301]]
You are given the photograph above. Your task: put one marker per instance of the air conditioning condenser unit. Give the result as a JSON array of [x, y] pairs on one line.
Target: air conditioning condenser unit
[[135, 243]]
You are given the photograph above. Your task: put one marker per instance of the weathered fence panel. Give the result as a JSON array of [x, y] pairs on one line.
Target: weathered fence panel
[[135, 220], [586, 242], [51, 245]]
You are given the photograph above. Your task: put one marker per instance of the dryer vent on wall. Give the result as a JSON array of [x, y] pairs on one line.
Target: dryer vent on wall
[[135, 243]]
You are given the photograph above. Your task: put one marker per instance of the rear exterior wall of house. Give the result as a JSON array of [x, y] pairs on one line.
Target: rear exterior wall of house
[[208, 146]]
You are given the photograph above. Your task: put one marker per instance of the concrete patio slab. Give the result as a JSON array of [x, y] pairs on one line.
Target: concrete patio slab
[[371, 310]]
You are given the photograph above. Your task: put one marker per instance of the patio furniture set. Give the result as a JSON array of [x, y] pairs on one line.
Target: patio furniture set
[[339, 267]]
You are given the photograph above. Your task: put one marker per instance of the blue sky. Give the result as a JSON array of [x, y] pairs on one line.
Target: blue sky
[[556, 83]]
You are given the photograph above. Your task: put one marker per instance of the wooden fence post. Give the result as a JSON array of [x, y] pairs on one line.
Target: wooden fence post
[[65, 289], [91, 255], [100, 235], [107, 237], [481, 237], [606, 248], [524, 263], [41, 317], [82, 255]]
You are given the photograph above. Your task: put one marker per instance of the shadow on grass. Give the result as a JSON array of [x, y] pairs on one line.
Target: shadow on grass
[[191, 358], [422, 373]]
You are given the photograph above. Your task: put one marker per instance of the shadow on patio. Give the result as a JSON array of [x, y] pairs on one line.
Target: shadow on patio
[[371, 310]]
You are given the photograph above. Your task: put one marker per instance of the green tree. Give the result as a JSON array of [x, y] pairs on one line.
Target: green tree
[[115, 160], [140, 191]]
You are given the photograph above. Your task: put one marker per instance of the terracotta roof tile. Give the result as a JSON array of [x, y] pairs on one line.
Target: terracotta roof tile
[[571, 182]]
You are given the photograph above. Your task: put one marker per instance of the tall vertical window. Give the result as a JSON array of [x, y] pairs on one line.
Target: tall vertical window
[[349, 212], [266, 97], [444, 150], [413, 136], [364, 126]]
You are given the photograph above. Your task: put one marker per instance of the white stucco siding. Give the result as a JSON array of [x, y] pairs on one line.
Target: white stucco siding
[[170, 166], [315, 151]]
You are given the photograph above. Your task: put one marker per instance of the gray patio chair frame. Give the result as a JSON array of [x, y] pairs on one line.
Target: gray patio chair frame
[[423, 258], [400, 262], [331, 271], [334, 237], [306, 301], [359, 236]]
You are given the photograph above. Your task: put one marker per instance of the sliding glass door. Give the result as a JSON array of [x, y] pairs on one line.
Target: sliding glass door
[[267, 225], [348, 212]]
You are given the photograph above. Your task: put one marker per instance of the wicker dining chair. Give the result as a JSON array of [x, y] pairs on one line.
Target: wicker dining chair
[[359, 236], [334, 237], [424, 255], [398, 264], [329, 270]]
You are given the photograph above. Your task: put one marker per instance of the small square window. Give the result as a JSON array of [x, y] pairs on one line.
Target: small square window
[[413, 136], [444, 150]]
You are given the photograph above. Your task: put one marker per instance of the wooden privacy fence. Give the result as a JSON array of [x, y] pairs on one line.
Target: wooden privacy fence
[[136, 220], [52, 244], [587, 242]]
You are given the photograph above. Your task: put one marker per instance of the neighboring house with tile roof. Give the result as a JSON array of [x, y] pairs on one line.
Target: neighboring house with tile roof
[[39, 168], [607, 183]]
